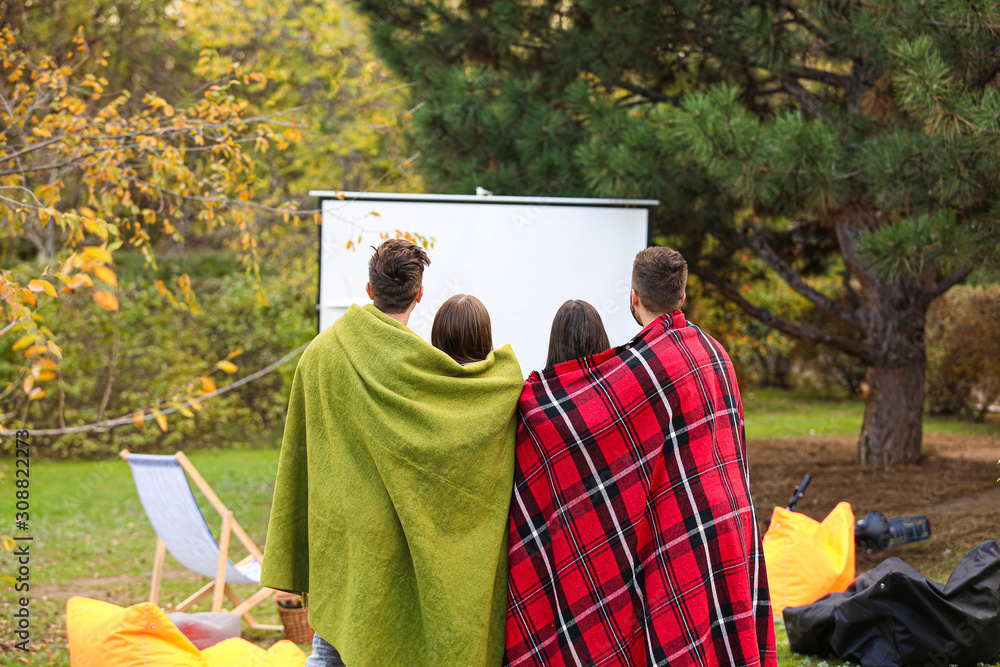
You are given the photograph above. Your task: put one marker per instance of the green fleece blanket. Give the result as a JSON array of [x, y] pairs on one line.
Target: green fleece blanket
[[394, 483]]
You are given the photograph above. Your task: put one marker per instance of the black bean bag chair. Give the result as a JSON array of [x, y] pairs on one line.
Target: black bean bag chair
[[893, 616]]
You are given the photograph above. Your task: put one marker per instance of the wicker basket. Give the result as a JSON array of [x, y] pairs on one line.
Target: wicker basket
[[295, 618]]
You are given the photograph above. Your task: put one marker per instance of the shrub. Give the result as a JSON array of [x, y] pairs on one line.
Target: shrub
[[963, 351], [160, 351]]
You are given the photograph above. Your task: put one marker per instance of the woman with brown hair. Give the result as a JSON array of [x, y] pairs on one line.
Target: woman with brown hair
[[577, 331], [462, 329]]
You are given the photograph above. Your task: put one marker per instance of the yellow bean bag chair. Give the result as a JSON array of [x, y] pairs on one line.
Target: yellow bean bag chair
[[102, 634], [238, 652], [807, 559]]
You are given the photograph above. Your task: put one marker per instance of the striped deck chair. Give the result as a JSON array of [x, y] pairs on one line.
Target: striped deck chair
[[181, 529]]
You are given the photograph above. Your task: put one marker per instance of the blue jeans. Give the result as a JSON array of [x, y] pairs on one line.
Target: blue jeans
[[323, 655]]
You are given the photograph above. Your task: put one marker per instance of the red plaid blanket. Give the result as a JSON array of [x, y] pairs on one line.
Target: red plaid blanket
[[633, 540]]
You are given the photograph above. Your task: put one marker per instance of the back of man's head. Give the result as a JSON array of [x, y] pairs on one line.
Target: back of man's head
[[395, 273], [659, 277]]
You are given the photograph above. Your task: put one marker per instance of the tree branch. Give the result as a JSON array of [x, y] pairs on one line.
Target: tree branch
[[222, 201], [769, 91], [645, 92], [985, 77], [809, 102], [184, 403], [855, 348], [799, 18], [848, 250], [32, 147], [811, 74], [795, 281], [24, 318], [945, 285], [848, 288]]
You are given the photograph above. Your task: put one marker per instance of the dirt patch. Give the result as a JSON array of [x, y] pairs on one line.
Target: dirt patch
[[957, 446], [955, 486]]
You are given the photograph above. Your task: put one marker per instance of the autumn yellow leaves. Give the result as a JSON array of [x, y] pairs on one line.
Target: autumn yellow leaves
[[191, 402]]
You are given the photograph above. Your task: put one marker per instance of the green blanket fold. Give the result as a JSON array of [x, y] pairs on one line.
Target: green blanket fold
[[394, 483]]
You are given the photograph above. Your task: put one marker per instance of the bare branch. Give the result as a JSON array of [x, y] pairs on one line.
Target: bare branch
[[31, 148], [17, 203], [940, 288], [811, 74], [648, 93], [848, 288], [28, 190], [189, 401], [851, 174], [795, 281], [855, 348], [846, 238], [809, 102]]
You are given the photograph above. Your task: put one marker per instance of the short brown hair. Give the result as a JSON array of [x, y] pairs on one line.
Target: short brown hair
[[659, 277], [462, 329], [395, 273], [577, 331]]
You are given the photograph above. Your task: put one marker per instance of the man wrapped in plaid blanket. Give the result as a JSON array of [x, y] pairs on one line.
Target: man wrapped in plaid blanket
[[633, 540]]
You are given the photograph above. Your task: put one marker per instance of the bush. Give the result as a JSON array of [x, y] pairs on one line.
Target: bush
[[963, 352], [161, 351]]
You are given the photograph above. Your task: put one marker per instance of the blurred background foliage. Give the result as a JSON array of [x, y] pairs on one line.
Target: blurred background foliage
[[365, 126], [162, 351], [350, 114], [963, 352], [851, 146]]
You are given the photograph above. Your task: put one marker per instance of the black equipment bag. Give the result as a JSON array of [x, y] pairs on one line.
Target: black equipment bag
[[893, 616]]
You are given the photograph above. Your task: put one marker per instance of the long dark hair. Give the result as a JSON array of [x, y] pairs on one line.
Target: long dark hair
[[577, 331], [462, 329]]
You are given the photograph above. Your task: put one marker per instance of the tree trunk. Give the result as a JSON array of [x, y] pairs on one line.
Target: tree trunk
[[894, 384], [893, 317], [894, 414]]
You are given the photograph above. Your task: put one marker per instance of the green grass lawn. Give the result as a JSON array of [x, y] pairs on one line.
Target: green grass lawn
[[92, 536], [788, 659], [774, 413]]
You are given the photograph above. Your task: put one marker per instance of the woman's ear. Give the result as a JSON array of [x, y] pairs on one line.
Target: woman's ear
[[420, 294], [368, 288]]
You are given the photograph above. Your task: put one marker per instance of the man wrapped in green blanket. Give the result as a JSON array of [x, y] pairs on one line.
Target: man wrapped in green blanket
[[394, 483]]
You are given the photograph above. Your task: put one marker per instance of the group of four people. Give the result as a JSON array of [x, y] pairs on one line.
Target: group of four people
[[437, 509]]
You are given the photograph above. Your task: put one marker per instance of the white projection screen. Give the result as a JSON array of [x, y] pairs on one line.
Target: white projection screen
[[521, 256]]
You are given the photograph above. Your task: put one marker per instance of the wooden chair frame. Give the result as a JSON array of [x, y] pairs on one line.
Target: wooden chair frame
[[218, 587]]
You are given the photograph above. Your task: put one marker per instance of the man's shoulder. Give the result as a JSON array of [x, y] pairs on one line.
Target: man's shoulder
[[697, 332], [695, 340]]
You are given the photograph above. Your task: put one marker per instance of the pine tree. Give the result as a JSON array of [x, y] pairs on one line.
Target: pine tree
[[847, 135]]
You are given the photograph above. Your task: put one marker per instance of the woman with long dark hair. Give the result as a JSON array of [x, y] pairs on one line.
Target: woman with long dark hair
[[462, 329], [577, 331]]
